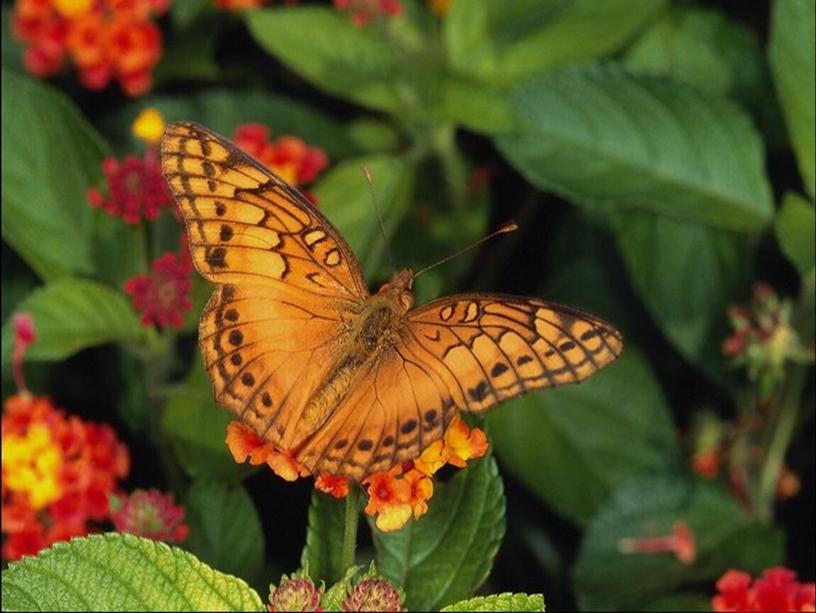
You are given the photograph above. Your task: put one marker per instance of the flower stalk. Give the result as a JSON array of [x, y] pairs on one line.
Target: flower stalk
[[352, 522]]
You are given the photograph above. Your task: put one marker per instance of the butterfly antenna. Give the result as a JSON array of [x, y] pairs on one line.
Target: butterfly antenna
[[505, 228], [368, 177]]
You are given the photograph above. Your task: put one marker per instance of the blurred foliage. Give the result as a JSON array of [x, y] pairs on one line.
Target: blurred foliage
[[659, 158]]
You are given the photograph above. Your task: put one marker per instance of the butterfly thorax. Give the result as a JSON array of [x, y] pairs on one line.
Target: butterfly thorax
[[371, 332]]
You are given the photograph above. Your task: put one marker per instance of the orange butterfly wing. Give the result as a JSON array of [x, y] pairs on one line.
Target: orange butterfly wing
[[465, 352], [285, 280]]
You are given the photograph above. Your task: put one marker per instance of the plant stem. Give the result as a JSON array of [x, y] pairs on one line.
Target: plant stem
[[782, 430], [350, 528], [785, 409]]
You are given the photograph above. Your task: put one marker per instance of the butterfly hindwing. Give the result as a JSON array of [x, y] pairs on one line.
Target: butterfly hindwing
[[490, 347]]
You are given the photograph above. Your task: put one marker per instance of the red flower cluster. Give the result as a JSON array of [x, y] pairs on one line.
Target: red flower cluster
[[136, 188], [105, 39], [288, 156], [57, 474], [776, 590], [163, 295], [150, 514], [363, 11]]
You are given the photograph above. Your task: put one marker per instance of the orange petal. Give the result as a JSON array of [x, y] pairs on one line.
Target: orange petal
[[336, 485], [285, 466], [421, 491], [435, 456], [243, 442], [393, 517]]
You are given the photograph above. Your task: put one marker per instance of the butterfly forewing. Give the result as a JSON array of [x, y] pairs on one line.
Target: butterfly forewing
[[245, 225], [285, 279]]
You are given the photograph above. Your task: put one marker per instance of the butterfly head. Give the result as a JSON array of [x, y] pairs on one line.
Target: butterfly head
[[400, 288]]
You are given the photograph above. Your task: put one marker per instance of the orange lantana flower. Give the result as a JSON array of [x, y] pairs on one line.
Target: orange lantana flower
[[389, 499], [244, 442], [336, 485], [464, 444]]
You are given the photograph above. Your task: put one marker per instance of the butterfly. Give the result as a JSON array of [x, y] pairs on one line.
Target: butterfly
[[348, 382]]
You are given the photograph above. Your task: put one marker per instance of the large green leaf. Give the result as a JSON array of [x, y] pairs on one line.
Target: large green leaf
[[323, 552], [197, 429], [500, 602], [792, 52], [502, 42], [74, 314], [607, 579], [705, 48], [795, 228], [686, 274], [598, 135], [445, 555], [698, 46], [225, 530], [52, 157], [223, 110], [348, 61], [572, 445], [345, 198], [121, 572]]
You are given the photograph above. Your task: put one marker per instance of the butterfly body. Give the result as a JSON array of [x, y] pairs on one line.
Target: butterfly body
[[297, 348]]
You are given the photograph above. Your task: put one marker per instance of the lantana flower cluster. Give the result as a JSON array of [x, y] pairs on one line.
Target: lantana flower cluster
[[151, 514], [58, 472], [764, 338], [776, 590], [287, 156], [163, 294], [394, 496], [106, 40], [61, 474]]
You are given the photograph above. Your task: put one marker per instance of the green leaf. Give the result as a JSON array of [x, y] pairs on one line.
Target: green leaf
[[447, 554], [74, 314], [190, 55], [794, 228], [345, 198], [686, 601], [52, 157], [702, 47], [197, 429], [225, 530], [500, 602], [600, 136], [686, 274], [502, 42], [350, 62], [793, 64], [323, 552], [12, 50], [121, 572], [184, 14], [572, 445], [223, 110], [605, 578]]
